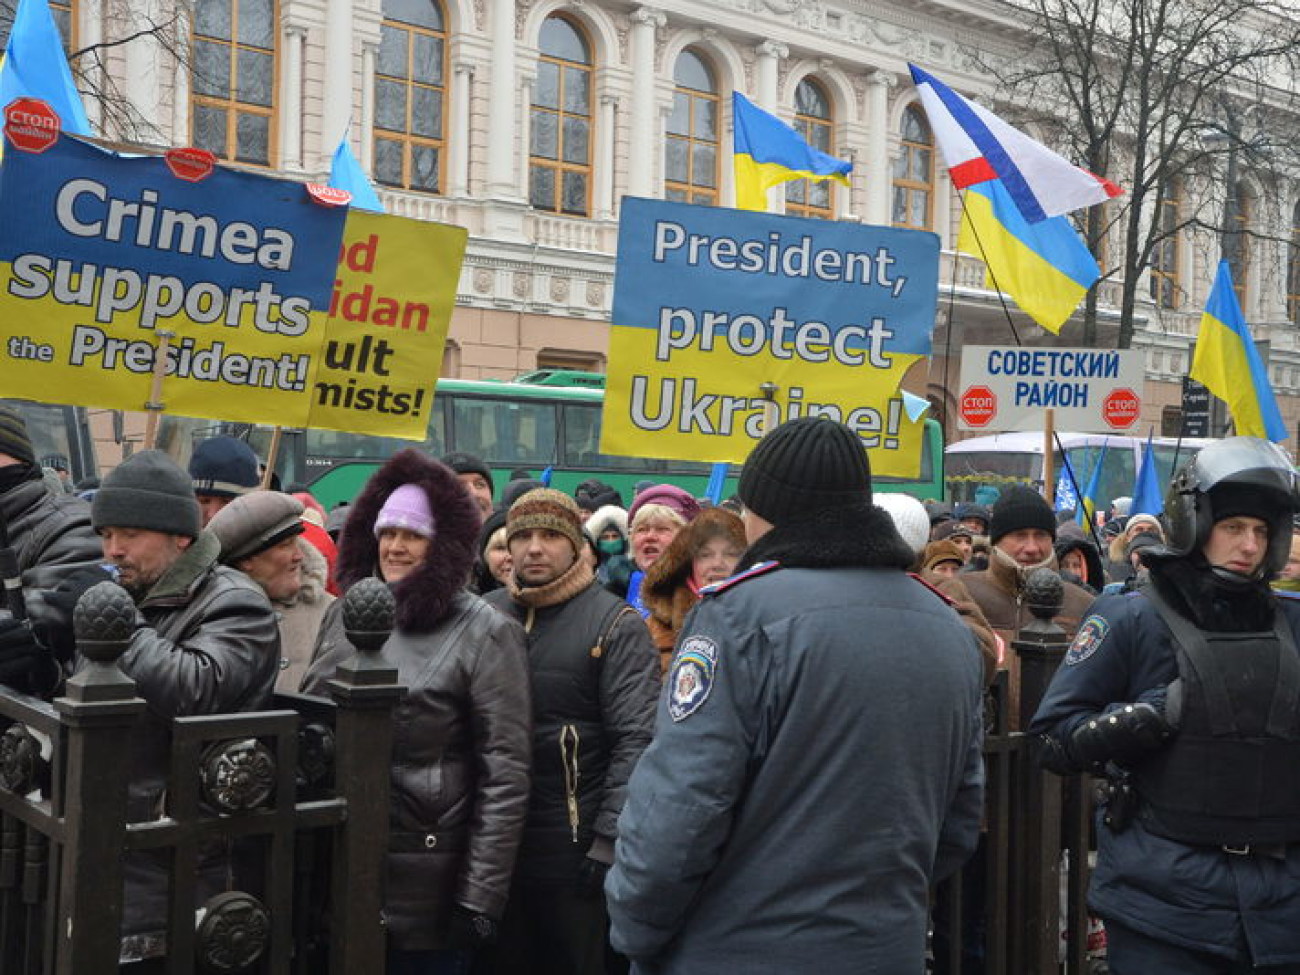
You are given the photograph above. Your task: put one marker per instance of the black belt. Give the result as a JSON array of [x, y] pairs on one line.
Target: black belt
[[1276, 851]]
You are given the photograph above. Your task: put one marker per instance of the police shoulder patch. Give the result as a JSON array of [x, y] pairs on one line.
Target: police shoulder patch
[[1092, 633], [691, 677], [757, 569]]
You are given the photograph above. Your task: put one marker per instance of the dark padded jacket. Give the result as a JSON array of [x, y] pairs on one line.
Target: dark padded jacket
[[52, 537], [461, 735], [207, 643], [1198, 897], [593, 715], [816, 767]]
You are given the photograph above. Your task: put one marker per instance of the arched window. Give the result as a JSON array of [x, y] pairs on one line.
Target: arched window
[[691, 152], [63, 19], [1293, 270], [410, 96], [232, 79], [1164, 258], [1236, 244], [559, 161], [914, 173], [813, 121]]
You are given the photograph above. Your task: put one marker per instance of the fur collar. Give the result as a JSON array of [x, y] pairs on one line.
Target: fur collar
[[856, 535], [1009, 574], [424, 597]]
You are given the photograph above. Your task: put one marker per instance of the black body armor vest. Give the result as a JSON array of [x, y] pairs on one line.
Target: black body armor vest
[[1231, 776]]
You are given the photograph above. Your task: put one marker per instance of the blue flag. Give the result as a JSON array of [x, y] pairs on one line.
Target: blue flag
[[717, 481], [36, 67], [1087, 514], [346, 174], [1148, 498], [546, 476]]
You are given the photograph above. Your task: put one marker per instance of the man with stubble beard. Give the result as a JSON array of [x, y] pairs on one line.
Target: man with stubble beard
[[206, 642]]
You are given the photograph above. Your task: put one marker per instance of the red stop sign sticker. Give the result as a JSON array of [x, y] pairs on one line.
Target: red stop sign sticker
[[1121, 407], [330, 196], [978, 406], [31, 125], [190, 164]]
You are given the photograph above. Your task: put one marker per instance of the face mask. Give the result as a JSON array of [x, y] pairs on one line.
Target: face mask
[[611, 546]]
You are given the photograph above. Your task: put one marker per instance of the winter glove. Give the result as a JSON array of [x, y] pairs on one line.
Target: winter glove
[[58, 635], [468, 930], [25, 664], [1122, 735], [591, 878]]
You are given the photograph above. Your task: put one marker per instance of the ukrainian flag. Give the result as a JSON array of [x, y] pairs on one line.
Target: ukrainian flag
[[767, 152], [1045, 267], [1226, 357], [35, 66]]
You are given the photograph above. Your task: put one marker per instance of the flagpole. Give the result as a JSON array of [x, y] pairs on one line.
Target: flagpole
[[1074, 482], [1049, 465], [155, 406]]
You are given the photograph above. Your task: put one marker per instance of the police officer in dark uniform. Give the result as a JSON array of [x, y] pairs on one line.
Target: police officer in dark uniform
[[1187, 695]]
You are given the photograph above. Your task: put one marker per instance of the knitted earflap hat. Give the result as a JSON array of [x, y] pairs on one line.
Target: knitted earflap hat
[[802, 465], [549, 509]]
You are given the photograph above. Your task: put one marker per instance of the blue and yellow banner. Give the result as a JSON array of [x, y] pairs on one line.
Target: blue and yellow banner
[[766, 152], [725, 322], [101, 253], [1228, 363], [1045, 267]]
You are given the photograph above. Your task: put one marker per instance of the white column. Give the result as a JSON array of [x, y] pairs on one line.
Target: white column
[[641, 138], [90, 32], [770, 54], [878, 177], [143, 76], [523, 100], [458, 130], [366, 127], [501, 111], [603, 198], [295, 37], [336, 109]]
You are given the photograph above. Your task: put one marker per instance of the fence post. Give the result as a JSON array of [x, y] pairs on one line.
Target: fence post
[[365, 689], [1040, 645], [99, 708]]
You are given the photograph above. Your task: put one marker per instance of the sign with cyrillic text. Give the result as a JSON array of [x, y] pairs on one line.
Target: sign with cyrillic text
[[1088, 390], [725, 321]]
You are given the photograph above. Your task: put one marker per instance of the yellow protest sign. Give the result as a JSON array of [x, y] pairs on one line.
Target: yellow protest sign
[[725, 320], [388, 319]]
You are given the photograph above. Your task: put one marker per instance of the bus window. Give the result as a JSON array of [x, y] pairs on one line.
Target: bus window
[[1117, 473], [62, 430], [505, 432], [358, 446], [582, 441]]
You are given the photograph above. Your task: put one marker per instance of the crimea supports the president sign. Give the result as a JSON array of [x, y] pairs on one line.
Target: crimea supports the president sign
[[725, 320], [276, 308]]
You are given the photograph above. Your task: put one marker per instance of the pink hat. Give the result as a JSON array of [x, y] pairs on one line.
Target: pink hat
[[669, 495], [407, 507]]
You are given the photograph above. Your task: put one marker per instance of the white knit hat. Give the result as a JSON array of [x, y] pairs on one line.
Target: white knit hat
[[910, 518]]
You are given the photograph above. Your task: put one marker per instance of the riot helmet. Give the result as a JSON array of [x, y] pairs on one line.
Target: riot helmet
[[1237, 475]]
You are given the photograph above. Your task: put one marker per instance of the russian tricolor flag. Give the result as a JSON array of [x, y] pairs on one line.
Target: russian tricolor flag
[[978, 147]]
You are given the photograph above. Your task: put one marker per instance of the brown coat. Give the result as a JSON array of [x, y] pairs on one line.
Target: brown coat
[[998, 591], [667, 591]]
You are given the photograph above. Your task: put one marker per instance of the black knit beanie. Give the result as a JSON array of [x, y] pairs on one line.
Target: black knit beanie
[[14, 440], [224, 467], [147, 490], [1021, 507], [804, 465], [463, 463]]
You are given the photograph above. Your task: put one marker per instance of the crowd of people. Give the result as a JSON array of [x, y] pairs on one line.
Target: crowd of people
[[662, 735]]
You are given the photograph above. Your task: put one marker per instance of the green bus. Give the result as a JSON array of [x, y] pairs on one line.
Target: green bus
[[543, 419]]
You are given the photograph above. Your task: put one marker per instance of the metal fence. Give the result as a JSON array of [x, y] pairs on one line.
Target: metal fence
[[302, 790]]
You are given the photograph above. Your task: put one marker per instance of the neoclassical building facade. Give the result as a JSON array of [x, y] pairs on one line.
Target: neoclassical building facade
[[527, 121]]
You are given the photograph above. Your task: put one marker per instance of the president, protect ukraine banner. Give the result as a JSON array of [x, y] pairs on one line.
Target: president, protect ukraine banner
[[101, 253], [714, 306]]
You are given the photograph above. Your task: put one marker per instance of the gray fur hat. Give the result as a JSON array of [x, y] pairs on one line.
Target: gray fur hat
[[254, 522], [147, 490]]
